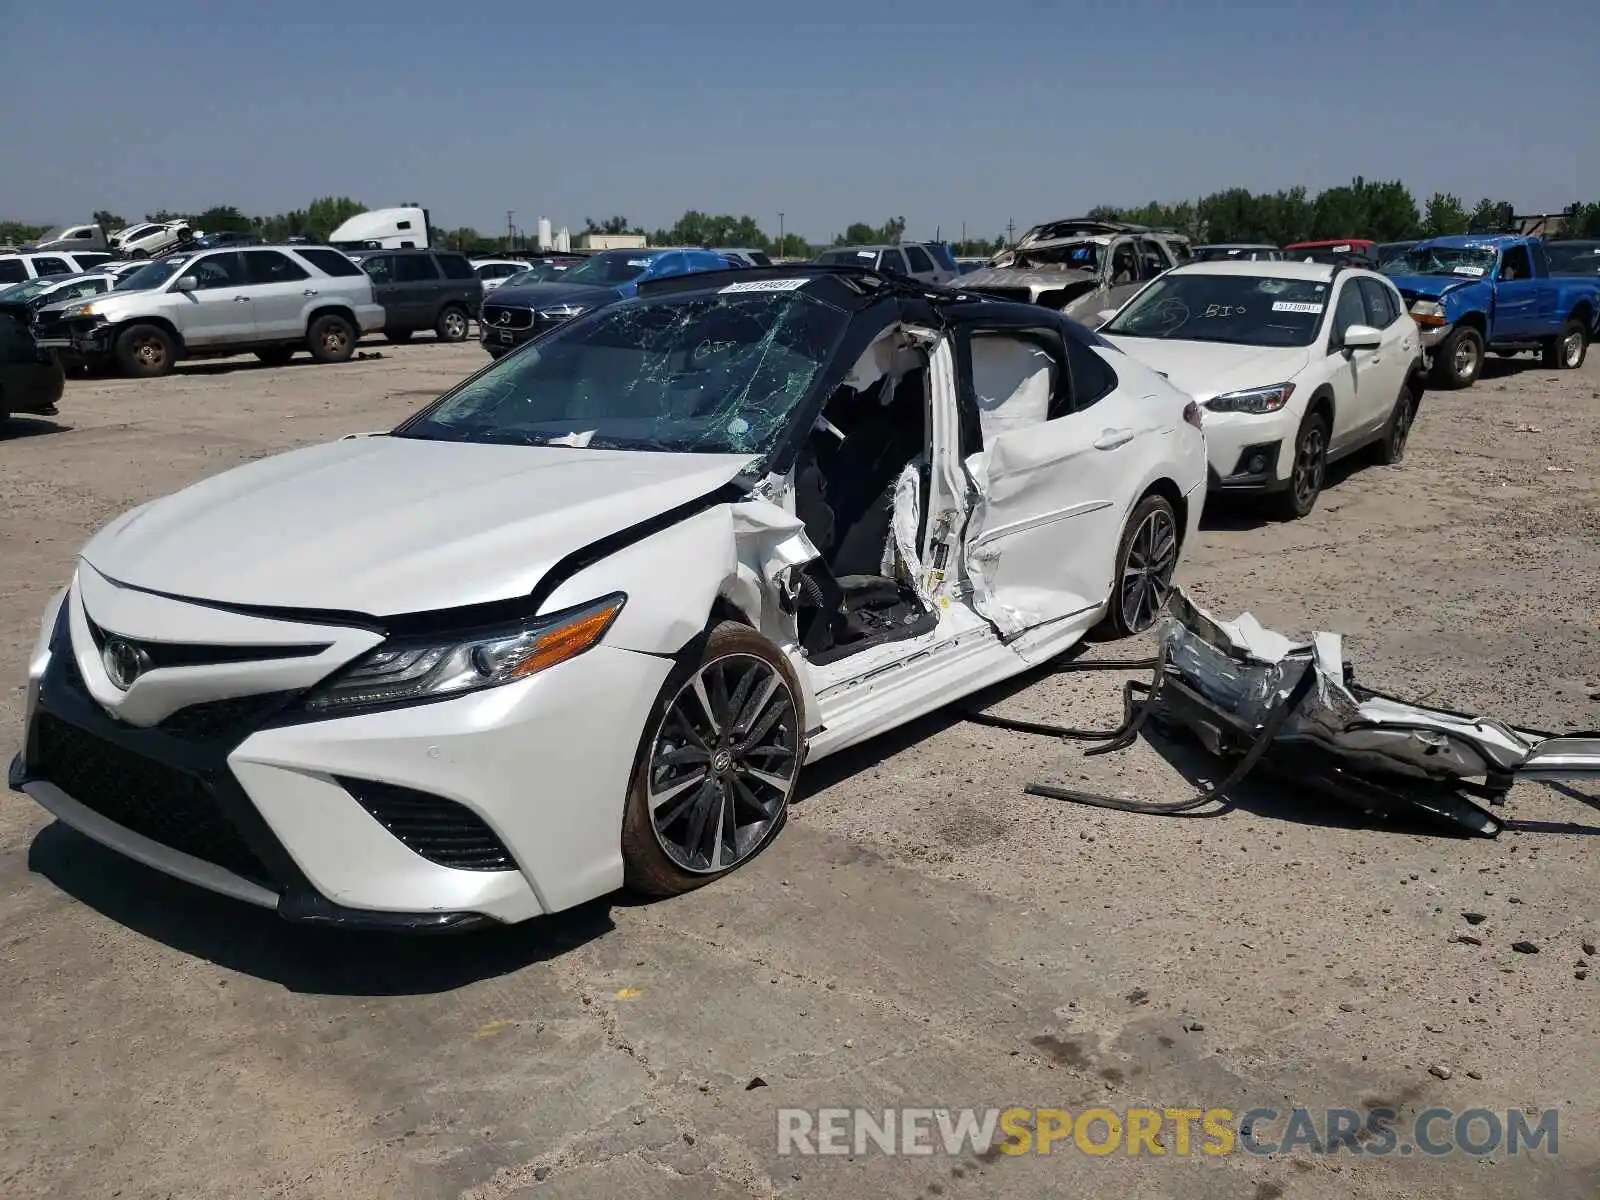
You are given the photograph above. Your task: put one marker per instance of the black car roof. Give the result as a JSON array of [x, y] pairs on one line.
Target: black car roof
[[859, 288]]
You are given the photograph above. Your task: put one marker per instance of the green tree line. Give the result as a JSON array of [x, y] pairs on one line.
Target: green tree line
[[1382, 211]]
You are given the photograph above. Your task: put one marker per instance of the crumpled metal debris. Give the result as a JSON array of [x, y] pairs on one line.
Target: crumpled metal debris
[[1255, 697]]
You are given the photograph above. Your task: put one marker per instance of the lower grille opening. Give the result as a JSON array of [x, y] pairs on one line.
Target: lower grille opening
[[219, 720], [440, 830], [160, 802]]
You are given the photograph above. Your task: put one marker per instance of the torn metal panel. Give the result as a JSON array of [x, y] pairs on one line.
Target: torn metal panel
[[1243, 671]]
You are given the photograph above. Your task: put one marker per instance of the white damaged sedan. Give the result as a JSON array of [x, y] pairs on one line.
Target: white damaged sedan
[[579, 623]]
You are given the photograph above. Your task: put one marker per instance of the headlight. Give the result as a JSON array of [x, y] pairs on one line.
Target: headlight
[[1428, 312], [427, 669], [564, 311], [1253, 400], [80, 310]]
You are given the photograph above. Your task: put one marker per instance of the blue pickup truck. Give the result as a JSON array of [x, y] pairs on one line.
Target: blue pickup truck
[[1473, 293]]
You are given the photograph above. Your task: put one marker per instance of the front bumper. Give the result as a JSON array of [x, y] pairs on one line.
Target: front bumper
[[502, 328], [83, 338], [264, 806], [1249, 452], [1432, 335]]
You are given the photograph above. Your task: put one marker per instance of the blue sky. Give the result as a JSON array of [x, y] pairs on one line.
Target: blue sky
[[828, 110]]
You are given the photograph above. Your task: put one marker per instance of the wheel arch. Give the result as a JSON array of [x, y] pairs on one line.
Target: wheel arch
[[1583, 311], [1322, 402], [162, 323], [343, 311], [1169, 491]]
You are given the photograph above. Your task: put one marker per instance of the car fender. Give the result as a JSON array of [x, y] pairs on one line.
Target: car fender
[[1471, 304], [735, 553]]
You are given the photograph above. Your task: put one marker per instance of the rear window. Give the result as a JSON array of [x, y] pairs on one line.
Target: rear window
[[456, 266], [1574, 258], [329, 262], [414, 268]]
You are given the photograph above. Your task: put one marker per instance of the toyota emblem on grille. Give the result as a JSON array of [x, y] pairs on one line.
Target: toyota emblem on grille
[[124, 662]]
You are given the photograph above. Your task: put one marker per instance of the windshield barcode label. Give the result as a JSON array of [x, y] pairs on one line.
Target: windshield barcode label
[[1295, 307], [765, 285]]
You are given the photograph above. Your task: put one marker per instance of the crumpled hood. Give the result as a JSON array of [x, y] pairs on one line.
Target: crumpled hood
[[551, 295], [1430, 287], [385, 525], [1206, 369], [1015, 277]]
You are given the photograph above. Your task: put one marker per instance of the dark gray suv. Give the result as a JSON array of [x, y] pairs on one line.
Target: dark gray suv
[[423, 289]]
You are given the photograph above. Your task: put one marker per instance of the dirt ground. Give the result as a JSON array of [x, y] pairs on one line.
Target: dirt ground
[[922, 934]]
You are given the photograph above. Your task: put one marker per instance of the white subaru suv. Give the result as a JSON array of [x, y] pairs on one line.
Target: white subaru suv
[[272, 300], [1296, 364]]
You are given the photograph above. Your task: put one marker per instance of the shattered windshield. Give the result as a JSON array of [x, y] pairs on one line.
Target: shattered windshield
[[1574, 258], [608, 270], [1077, 256], [1241, 310], [27, 291], [716, 373], [153, 275], [1472, 262]]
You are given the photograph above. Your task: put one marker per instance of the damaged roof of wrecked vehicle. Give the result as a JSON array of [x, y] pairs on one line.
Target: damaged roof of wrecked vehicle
[[1043, 277], [954, 302], [1260, 268], [1476, 241]]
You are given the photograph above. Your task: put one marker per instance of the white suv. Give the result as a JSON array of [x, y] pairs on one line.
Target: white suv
[[150, 238], [1296, 364], [19, 268], [272, 300]]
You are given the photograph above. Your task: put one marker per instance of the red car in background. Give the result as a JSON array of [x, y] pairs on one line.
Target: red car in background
[[1353, 252]]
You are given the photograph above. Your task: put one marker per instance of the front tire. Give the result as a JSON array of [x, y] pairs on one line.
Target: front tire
[[717, 766], [331, 339], [1567, 350], [1147, 556], [145, 351], [1459, 358], [452, 326], [1309, 470]]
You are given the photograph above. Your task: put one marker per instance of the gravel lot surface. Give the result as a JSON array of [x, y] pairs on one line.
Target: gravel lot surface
[[922, 933]]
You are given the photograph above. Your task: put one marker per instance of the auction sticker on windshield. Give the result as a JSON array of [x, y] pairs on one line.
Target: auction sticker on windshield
[[1293, 306], [1475, 272], [766, 285]]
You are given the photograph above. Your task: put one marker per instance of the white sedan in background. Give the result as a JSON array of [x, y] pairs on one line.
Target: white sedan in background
[[1297, 364], [579, 622], [495, 271]]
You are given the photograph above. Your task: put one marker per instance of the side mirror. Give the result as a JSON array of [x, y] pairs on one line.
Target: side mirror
[[187, 283], [1361, 337]]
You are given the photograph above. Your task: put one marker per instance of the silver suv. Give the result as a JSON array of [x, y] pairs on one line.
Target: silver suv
[[273, 300], [915, 259]]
